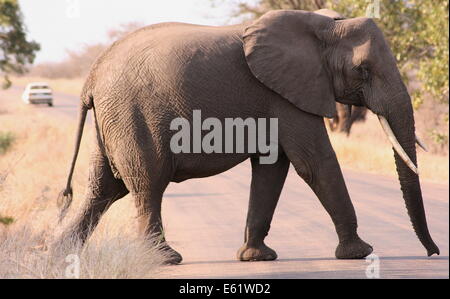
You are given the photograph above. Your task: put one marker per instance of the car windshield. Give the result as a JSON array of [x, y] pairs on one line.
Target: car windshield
[[39, 87]]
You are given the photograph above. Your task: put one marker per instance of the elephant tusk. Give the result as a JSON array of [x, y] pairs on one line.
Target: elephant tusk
[[421, 144], [396, 145]]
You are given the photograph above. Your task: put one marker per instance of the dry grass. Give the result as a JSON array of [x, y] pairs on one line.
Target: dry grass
[[105, 256], [32, 173]]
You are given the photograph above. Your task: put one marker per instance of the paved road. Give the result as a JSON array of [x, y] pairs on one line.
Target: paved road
[[204, 220]]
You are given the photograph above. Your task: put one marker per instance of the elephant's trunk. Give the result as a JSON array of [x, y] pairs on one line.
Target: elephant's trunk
[[400, 119]]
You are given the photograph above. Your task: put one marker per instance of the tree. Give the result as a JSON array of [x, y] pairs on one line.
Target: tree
[[15, 50]]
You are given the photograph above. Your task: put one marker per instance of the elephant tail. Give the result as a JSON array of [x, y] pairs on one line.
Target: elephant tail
[[65, 197]]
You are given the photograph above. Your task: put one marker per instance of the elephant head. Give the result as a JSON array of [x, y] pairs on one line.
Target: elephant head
[[348, 61], [346, 115]]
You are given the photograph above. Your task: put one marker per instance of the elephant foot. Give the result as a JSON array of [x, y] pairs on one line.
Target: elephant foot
[[353, 249], [172, 257], [256, 253]]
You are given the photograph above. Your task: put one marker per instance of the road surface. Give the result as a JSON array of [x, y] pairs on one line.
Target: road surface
[[205, 218]]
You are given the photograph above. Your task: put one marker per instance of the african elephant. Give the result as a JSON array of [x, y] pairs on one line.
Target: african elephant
[[287, 65]]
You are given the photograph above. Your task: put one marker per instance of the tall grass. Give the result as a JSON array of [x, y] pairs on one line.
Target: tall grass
[[106, 256]]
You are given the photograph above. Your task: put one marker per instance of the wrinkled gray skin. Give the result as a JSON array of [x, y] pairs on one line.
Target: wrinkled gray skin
[[290, 65]]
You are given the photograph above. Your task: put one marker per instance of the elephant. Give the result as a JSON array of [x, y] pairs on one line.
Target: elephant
[[288, 65]]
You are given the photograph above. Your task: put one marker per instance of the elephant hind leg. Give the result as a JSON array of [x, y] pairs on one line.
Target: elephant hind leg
[[148, 204], [103, 190], [147, 183]]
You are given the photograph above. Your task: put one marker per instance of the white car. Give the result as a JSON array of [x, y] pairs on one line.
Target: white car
[[38, 93]]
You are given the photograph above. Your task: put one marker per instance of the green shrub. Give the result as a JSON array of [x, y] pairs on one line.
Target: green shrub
[[6, 140], [6, 220]]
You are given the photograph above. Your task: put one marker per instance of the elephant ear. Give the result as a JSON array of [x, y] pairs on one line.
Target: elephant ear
[[283, 50]]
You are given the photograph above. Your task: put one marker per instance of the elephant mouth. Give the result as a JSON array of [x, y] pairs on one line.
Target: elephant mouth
[[353, 97]]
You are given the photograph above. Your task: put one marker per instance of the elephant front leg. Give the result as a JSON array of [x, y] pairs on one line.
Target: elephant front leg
[[267, 182], [326, 180]]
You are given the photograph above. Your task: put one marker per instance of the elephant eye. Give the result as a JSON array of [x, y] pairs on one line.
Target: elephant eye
[[364, 72]]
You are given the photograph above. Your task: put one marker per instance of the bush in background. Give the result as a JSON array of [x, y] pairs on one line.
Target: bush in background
[[6, 140]]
